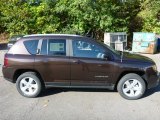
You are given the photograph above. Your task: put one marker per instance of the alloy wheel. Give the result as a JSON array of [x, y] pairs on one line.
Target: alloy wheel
[[132, 88], [28, 86]]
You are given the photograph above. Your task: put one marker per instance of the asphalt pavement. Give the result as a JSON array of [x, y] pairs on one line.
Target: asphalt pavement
[[77, 104]]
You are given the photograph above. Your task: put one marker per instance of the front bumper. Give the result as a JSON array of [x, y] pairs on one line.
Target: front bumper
[[152, 78], [158, 78]]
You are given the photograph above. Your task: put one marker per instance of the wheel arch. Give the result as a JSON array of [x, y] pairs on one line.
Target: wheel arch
[[140, 73], [21, 71]]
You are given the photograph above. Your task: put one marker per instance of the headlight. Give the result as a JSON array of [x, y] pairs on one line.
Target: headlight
[[154, 67]]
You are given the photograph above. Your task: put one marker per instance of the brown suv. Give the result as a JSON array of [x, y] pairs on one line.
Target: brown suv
[[57, 60]]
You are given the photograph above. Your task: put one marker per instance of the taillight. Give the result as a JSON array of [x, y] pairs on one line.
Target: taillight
[[5, 61]]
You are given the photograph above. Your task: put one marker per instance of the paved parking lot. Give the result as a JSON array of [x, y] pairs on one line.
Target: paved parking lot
[[77, 104]]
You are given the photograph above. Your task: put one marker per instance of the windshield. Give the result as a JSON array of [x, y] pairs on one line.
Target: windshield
[[110, 48]]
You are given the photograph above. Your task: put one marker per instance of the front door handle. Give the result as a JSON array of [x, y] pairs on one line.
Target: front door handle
[[45, 60], [99, 65]]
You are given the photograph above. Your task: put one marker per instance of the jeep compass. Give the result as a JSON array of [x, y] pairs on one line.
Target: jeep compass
[[59, 60]]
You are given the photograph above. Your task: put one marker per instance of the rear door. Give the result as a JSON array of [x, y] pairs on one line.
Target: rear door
[[88, 66], [53, 62]]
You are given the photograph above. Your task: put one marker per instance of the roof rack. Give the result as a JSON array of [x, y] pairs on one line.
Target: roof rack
[[36, 35]]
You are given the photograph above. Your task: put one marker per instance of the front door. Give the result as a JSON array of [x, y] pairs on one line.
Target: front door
[[88, 66]]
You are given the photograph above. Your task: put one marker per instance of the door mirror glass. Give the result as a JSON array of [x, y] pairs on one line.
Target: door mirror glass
[[105, 56]]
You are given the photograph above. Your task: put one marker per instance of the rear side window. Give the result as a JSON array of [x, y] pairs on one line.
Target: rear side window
[[31, 46], [57, 47]]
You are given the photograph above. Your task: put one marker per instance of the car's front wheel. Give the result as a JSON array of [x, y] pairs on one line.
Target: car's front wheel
[[28, 84], [131, 86]]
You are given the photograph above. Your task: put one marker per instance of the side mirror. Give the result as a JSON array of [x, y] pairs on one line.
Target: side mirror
[[106, 57], [103, 56]]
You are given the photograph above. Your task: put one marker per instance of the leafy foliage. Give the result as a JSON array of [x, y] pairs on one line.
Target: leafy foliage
[[92, 17], [150, 15]]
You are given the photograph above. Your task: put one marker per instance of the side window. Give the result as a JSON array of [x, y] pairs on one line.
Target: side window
[[44, 47], [57, 47], [82, 48], [31, 46]]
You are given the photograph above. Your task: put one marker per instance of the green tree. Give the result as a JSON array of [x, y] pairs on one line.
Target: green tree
[[92, 16], [2, 28], [150, 16], [83, 17], [27, 18]]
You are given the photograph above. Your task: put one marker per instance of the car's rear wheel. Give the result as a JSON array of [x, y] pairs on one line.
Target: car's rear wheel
[[131, 86], [28, 84]]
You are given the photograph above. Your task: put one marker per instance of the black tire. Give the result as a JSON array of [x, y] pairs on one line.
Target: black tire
[[36, 81], [122, 86]]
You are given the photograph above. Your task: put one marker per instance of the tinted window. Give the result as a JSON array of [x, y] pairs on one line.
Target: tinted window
[[31, 46], [44, 47], [82, 48], [57, 47]]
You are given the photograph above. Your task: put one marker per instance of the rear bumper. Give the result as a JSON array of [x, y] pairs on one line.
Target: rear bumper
[[10, 80], [8, 73]]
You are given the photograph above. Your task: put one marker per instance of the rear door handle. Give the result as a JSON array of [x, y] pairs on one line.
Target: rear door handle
[[76, 61]]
